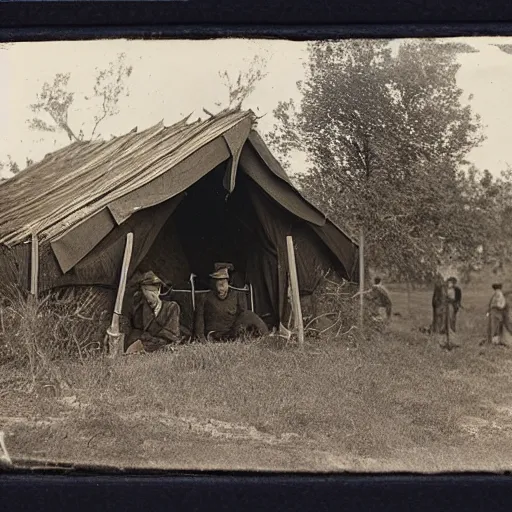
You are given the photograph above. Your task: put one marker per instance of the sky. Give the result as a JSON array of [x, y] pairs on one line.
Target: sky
[[172, 79]]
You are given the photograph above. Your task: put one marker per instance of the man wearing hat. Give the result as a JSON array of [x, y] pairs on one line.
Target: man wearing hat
[[222, 315], [155, 323]]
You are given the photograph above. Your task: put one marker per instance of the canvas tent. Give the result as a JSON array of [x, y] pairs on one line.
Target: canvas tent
[[192, 194]]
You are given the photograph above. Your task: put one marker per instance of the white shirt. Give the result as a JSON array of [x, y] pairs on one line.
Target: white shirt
[[158, 308]]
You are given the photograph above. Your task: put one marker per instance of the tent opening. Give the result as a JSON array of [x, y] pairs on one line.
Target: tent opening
[[211, 226]]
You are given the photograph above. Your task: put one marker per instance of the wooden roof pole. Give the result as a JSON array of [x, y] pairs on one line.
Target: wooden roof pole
[[294, 282], [114, 336], [34, 265]]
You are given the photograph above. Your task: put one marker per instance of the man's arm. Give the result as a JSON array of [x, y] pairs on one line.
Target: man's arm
[[241, 301], [168, 322], [458, 295], [164, 336]]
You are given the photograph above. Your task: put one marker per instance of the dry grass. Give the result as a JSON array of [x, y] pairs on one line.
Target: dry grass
[[389, 401], [37, 333]]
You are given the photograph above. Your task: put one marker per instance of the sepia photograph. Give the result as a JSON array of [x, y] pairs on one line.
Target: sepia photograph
[[256, 255]]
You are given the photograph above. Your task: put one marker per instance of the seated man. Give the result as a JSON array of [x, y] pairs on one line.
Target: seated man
[[222, 315], [155, 323]]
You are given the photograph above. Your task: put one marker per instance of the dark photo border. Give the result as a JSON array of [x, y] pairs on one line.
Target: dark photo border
[[94, 489]]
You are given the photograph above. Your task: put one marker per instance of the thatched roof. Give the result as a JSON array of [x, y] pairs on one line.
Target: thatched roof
[[79, 180]]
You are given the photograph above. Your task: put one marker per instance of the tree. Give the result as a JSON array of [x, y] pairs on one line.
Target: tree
[[491, 198], [240, 89], [386, 133], [55, 100], [10, 166]]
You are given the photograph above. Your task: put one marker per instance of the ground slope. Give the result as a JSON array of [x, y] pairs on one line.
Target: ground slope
[[395, 403]]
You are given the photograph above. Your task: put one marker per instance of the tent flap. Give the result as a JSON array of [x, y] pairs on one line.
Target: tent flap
[[75, 244], [278, 189], [173, 182], [101, 266], [235, 139]]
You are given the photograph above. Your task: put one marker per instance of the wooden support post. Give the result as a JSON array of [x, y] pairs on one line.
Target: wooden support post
[[294, 282], [193, 291], [251, 296], [34, 266], [361, 280], [114, 336]]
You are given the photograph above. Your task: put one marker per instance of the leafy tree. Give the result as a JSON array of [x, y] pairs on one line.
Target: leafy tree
[[54, 102], [491, 199], [386, 133]]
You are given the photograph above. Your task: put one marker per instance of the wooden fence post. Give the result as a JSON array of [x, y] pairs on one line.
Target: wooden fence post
[[34, 266], [361, 280], [294, 282], [113, 334]]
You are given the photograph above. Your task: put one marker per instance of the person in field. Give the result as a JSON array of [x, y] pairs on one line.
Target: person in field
[[499, 327], [222, 315], [454, 299], [381, 300], [443, 313], [155, 324], [439, 310]]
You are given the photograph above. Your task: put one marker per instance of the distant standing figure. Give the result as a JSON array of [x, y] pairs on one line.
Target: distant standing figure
[[443, 313], [454, 298], [155, 323], [499, 331], [222, 315], [381, 299], [439, 307]]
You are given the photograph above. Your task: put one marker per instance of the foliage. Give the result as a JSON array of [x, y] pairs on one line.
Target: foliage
[[110, 86], [241, 88], [491, 200], [35, 333], [10, 165], [386, 133], [55, 101]]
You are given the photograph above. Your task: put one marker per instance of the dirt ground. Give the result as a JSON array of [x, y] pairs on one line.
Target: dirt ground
[[397, 402]]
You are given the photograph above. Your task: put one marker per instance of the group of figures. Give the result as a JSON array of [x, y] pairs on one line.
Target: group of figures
[[221, 316], [447, 302]]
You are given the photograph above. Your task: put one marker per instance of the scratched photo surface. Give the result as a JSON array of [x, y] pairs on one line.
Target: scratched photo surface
[[256, 255]]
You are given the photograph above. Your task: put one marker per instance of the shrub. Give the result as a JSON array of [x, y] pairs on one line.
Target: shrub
[[37, 332], [337, 301]]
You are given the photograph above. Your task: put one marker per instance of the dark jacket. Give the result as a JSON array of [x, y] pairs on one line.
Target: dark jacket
[[214, 314], [154, 332], [458, 298]]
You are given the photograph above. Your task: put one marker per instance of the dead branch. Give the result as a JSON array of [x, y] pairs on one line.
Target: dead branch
[[318, 317]]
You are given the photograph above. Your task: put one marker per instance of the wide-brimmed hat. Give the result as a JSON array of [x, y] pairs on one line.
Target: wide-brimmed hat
[[218, 266], [150, 279], [221, 273], [452, 280], [497, 286]]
